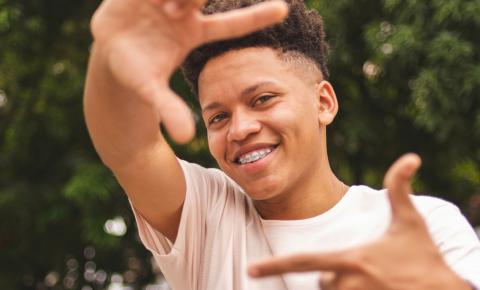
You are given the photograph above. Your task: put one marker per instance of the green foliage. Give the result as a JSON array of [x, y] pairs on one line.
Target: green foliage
[[55, 196], [407, 74]]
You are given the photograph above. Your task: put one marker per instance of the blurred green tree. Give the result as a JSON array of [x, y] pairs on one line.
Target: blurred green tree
[[407, 74]]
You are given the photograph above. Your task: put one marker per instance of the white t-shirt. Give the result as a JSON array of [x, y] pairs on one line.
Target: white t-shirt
[[221, 233]]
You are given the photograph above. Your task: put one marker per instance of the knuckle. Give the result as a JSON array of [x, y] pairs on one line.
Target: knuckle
[[302, 262], [95, 24], [288, 264]]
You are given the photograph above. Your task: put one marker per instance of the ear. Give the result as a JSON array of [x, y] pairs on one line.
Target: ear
[[327, 103]]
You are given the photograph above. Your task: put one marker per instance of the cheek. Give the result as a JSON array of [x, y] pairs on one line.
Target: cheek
[[216, 145], [295, 118]]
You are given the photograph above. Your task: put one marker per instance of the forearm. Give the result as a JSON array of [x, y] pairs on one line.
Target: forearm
[[122, 126]]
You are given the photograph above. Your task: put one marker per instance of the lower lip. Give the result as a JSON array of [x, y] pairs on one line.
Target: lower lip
[[254, 167]]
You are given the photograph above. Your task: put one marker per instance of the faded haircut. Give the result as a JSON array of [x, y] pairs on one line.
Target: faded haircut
[[301, 35]]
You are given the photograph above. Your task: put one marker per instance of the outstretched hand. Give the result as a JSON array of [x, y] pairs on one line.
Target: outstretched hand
[[142, 42], [404, 258]]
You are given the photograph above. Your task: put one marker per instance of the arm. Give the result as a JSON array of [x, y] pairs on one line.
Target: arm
[[138, 45], [126, 135]]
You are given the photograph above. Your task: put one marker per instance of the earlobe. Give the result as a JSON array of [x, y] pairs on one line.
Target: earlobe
[[327, 103]]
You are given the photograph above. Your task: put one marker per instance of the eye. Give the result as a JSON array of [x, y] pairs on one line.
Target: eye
[[261, 100], [217, 118]]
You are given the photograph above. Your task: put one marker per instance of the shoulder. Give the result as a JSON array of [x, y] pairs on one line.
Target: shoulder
[[210, 184], [201, 176], [367, 197], [438, 213], [442, 217], [425, 204], [430, 205]]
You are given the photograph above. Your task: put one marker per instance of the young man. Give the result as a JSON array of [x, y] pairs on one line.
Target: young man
[[266, 103]]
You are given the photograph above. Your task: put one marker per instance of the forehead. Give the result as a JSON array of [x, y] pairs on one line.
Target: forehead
[[238, 69]]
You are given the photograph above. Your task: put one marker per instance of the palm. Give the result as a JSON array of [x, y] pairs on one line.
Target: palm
[[144, 45]]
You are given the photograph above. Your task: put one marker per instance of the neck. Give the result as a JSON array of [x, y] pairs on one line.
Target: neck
[[302, 206]]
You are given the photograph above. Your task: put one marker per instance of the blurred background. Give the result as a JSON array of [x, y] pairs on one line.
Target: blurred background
[[407, 74]]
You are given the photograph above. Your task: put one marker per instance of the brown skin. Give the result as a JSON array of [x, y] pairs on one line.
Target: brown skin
[[139, 44], [286, 110]]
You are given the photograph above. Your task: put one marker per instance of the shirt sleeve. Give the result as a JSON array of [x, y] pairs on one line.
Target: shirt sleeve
[[456, 240], [180, 260]]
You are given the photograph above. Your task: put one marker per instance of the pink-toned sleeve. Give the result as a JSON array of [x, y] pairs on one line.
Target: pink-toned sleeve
[[205, 190], [191, 219]]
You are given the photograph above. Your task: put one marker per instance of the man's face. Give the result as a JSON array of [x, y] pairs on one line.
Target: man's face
[[262, 119]]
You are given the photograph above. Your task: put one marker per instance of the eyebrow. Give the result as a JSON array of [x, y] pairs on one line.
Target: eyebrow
[[243, 94]]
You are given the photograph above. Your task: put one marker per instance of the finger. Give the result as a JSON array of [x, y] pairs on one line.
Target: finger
[[177, 118], [327, 281], [398, 183], [306, 262], [174, 113], [242, 21]]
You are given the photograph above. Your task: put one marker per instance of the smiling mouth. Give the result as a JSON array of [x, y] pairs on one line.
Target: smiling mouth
[[255, 155]]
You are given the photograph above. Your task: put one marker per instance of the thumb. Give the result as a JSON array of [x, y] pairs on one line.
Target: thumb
[[398, 181], [175, 115], [242, 21]]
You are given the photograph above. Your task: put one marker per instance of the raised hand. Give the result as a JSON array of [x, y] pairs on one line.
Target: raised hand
[[140, 43], [405, 258]]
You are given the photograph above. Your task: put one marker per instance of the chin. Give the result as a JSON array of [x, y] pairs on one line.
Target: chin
[[262, 191], [259, 187]]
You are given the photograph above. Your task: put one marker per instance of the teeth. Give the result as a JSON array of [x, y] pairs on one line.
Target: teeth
[[254, 156]]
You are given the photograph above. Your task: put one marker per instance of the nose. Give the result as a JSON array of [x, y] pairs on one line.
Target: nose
[[242, 125]]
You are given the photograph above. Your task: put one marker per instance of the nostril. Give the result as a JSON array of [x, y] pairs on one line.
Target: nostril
[[240, 131]]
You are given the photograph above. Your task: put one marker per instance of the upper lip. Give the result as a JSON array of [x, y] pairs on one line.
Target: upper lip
[[249, 148]]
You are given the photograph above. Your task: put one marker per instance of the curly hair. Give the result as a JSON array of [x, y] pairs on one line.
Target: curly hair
[[301, 33]]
